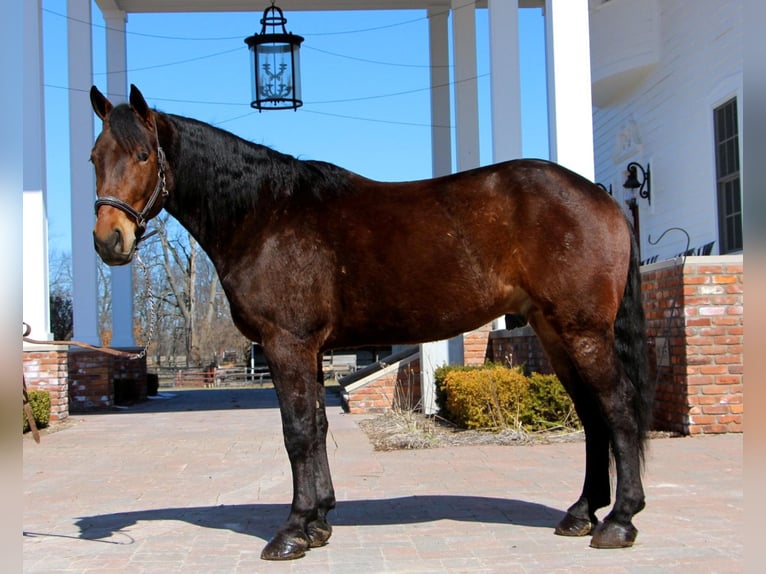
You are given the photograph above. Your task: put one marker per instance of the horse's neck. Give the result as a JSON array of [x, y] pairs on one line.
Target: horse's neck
[[207, 179]]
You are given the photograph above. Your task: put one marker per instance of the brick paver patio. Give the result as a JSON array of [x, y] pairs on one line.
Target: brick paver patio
[[197, 483]]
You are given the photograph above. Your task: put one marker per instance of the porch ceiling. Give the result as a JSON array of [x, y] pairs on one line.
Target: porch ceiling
[[287, 5]]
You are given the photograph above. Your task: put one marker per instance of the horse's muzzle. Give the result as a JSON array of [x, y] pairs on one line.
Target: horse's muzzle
[[112, 249]]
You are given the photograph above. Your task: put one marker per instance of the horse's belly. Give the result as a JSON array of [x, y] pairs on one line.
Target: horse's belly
[[435, 316]]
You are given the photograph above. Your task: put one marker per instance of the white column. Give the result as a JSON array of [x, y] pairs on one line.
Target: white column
[[436, 354], [505, 86], [466, 89], [505, 80], [570, 114], [85, 284], [466, 84], [441, 132], [117, 91], [36, 301]]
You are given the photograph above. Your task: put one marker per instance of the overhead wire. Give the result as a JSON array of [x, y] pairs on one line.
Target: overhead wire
[[468, 4], [227, 38], [168, 64]]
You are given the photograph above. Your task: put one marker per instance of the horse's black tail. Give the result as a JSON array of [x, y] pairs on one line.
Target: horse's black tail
[[630, 345]]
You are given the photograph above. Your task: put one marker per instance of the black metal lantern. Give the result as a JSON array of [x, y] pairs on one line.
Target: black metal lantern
[[632, 182], [276, 64]]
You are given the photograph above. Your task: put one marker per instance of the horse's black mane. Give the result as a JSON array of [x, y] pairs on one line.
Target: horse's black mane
[[220, 163], [259, 170]]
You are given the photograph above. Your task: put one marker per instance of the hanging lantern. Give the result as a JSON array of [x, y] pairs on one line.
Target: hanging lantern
[[276, 64]]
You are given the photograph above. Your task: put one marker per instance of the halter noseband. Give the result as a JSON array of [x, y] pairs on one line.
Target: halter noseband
[[159, 189]]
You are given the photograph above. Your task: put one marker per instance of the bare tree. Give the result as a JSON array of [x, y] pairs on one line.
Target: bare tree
[[60, 295], [104, 303], [180, 309], [191, 307]]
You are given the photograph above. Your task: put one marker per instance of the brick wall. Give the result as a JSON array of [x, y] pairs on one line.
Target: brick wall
[[90, 380], [46, 370], [396, 386], [476, 349], [695, 320], [129, 378], [519, 348], [83, 380]]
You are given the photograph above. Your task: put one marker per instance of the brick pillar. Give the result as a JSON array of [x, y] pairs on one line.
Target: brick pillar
[[476, 345], [663, 298], [695, 327], [519, 347], [395, 387], [91, 380], [714, 331], [46, 370]]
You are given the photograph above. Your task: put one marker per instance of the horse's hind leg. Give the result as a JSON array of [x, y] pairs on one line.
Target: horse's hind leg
[[319, 530], [580, 519], [615, 397], [604, 398], [617, 530]]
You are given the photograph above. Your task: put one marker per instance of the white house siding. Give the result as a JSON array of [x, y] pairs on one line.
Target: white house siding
[[667, 118]]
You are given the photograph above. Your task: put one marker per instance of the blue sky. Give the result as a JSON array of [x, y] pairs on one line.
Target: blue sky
[[365, 81]]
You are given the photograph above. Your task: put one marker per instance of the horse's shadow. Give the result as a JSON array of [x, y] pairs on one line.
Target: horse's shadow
[[262, 520]]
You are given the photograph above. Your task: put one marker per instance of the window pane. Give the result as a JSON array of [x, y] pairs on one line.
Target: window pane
[[727, 176]]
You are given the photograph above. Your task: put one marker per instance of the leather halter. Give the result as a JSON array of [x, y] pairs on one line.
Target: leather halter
[[159, 189]]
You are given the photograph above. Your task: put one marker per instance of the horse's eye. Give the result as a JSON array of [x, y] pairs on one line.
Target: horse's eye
[[142, 156]]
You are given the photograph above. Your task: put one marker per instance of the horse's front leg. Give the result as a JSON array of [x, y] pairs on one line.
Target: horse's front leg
[[294, 372], [319, 530]]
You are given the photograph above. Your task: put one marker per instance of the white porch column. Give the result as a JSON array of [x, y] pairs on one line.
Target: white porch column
[[505, 86], [466, 85], [441, 132], [85, 283], [505, 81], [117, 91], [36, 301], [438, 353], [570, 114], [466, 89], [435, 354]]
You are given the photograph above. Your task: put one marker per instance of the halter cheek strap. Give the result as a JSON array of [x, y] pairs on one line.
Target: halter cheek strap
[[159, 190]]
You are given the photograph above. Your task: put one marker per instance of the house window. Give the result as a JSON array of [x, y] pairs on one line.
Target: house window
[[727, 177]]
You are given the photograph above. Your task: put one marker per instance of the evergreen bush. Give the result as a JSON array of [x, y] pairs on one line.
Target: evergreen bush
[[40, 401], [493, 396]]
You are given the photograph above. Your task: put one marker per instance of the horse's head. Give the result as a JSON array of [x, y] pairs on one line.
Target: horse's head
[[130, 175]]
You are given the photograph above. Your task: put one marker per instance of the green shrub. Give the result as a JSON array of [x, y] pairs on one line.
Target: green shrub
[[549, 404], [440, 375], [494, 396], [40, 401]]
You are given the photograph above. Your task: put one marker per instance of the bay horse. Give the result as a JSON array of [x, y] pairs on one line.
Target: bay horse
[[313, 257]]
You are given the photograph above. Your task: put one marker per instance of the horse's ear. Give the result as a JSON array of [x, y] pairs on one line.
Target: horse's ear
[[138, 103], [100, 104]]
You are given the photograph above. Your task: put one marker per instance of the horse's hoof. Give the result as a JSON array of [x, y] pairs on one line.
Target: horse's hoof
[[319, 532], [285, 547], [573, 526], [610, 534]]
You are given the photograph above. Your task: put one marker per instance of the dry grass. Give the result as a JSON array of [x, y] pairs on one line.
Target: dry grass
[[406, 429]]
